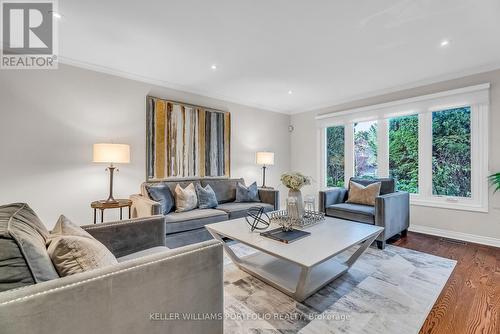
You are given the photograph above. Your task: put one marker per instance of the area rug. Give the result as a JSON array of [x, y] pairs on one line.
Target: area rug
[[389, 291]]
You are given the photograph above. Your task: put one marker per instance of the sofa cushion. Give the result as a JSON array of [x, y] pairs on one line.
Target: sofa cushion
[[206, 197], [388, 184], [139, 254], [191, 220], [239, 210], [355, 212], [247, 194], [160, 192], [185, 198], [360, 194], [73, 250], [225, 189], [23, 254]]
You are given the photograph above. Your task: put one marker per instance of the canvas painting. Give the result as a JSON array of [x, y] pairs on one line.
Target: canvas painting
[[186, 141]]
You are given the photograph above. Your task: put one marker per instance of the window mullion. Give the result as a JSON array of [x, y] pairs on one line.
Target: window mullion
[[383, 148], [425, 155], [349, 152]]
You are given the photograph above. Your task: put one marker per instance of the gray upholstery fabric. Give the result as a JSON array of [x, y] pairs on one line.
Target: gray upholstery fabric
[[354, 212], [330, 197], [129, 236], [206, 197], [239, 210], [225, 189], [270, 196], [190, 220], [142, 253], [161, 193], [247, 194], [120, 298], [388, 184], [23, 255], [392, 211], [180, 239]]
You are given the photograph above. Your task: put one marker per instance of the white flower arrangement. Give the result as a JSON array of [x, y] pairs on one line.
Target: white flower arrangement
[[295, 180]]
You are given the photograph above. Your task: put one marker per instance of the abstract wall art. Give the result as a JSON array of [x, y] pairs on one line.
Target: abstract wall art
[[186, 141]]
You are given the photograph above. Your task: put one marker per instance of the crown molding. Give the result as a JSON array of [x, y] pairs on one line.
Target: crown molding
[[395, 89], [162, 83]]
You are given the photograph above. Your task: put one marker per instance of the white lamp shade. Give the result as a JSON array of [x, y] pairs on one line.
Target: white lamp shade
[[112, 153], [264, 158]]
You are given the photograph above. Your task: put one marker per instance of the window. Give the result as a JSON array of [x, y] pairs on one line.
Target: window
[[365, 149], [435, 146], [403, 152], [451, 152], [335, 156]]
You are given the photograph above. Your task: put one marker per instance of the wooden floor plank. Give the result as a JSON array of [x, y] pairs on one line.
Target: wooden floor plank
[[470, 301]]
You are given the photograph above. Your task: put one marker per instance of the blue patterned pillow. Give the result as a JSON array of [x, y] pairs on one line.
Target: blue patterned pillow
[[247, 194], [161, 193], [206, 197]]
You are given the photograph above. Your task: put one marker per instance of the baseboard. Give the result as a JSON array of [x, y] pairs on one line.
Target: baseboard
[[478, 239]]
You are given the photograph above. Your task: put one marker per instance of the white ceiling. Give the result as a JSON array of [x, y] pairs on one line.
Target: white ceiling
[[325, 51]]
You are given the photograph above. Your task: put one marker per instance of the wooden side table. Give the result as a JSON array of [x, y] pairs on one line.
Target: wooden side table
[[103, 205]]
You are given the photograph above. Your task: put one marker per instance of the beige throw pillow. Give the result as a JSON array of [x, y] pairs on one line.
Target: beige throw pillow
[[73, 250], [185, 199], [359, 194]]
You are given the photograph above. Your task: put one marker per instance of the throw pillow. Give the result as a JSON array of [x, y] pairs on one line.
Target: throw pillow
[[206, 197], [161, 193], [185, 199], [359, 194], [73, 250], [247, 194]]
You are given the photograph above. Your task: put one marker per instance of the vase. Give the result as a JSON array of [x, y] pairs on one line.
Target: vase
[[300, 204]]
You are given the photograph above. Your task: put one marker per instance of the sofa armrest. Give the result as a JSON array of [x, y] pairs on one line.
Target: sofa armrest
[[144, 207], [331, 196], [270, 196], [131, 297], [392, 211], [129, 236]]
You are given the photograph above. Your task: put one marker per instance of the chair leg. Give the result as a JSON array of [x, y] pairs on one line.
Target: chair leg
[[404, 233], [380, 244]]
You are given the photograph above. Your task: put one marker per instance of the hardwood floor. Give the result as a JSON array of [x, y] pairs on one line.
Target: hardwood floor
[[470, 301]]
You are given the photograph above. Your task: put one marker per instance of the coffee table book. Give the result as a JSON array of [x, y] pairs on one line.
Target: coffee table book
[[285, 236]]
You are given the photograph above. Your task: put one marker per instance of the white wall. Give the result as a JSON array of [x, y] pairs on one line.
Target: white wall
[[50, 119], [305, 157]]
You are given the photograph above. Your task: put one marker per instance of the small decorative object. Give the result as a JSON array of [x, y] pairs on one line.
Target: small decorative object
[[255, 220], [293, 214], [309, 203], [294, 181], [283, 219], [265, 159], [112, 154]]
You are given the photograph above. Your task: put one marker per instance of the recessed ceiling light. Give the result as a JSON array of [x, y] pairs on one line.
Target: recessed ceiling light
[[56, 15], [290, 92], [445, 43], [213, 67]]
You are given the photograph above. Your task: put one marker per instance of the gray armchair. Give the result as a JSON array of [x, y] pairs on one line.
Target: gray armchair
[[391, 210], [134, 296]]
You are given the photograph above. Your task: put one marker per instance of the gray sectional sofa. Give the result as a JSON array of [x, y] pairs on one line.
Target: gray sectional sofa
[[132, 296], [189, 227]]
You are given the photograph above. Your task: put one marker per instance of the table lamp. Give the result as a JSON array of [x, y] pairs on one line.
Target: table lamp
[[265, 159], [112, 154]]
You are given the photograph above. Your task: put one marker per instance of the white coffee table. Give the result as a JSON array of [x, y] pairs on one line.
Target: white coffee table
[[302, 267]]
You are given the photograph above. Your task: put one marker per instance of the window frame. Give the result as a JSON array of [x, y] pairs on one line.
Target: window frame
[[475, 97]]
